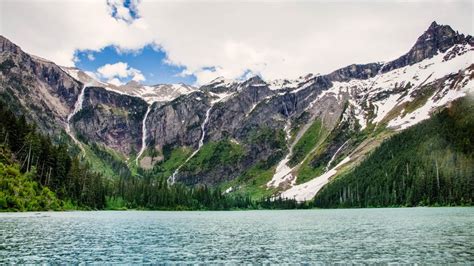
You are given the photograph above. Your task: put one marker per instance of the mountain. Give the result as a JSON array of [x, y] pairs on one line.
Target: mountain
[[254, 137]]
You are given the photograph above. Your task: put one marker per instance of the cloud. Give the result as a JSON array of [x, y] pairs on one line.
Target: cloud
[[92, 75], [115, 73], [280, 39], [55, 29], [90, 57], [115, 81], [123, 10]]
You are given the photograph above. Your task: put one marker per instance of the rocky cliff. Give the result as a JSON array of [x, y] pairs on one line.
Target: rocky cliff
[[287, 137]]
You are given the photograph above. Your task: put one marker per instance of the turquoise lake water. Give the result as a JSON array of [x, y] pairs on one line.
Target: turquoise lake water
[[431, 235]]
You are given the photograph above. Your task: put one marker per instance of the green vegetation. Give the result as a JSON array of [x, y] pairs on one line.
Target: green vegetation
[[103, 161], [419, 100], [38, 175], [252, 183], [18, 192], [307, 142], [431, 163], [313, 166], [316, 162], [267, 139], [211, 154], [171, 160], [49, 165]]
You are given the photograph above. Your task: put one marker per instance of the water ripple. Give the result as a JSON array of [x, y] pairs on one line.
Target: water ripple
[[417, 235]]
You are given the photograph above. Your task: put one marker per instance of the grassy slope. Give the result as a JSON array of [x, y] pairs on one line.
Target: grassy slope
[[220, 153], [307, 142], [430, 163]]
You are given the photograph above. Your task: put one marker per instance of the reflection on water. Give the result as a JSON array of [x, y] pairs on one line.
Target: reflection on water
[[360, 235]]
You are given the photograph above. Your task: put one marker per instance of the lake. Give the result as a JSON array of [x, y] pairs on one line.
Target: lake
[[402, 235]]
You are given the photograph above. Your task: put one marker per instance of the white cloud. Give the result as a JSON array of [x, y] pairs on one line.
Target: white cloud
[[280, 39], [54, 29], [115, 81], [92, 75], [138, 77], [114, 73], [109, 71], [90, 57]]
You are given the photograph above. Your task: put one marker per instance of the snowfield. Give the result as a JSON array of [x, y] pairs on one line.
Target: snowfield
[[378, 91], [308, 190]]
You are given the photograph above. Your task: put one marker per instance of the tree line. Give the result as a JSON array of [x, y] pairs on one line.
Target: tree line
[[31, 164], [431, 163]]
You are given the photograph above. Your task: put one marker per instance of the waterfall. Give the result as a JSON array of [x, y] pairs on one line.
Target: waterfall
[[172, 178], [143, 148], [77, 107], [334, 156], [203, 129]]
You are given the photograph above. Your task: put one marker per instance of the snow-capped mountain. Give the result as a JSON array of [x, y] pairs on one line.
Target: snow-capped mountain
[[278, 137], [154, 93]]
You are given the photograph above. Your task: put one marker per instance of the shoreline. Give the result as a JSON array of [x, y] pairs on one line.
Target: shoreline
[[237, 210]]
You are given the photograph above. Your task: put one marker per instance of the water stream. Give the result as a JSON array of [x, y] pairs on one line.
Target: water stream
[[77, 107], [144, 136], [334, 156], [172, 178]]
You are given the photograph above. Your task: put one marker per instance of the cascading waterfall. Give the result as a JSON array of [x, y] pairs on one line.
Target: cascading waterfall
[[172, 178], [77, 107], [143, 148], [334, 156]]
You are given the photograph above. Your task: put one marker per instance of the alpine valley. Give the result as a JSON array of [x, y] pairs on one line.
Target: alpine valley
[[397, 133]]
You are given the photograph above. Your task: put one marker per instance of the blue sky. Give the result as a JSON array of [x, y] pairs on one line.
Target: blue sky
[[149, 60], [229, 38]]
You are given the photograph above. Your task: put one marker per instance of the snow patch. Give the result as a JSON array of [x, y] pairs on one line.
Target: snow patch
[[424, 112], [308, 190]]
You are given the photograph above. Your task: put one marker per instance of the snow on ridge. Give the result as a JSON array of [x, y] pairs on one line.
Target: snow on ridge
[[291, 84], [161, 92], [373, 89], [221, 82], [83, 77], [308, 190], [417, 75], [150, 94], [448, 95]]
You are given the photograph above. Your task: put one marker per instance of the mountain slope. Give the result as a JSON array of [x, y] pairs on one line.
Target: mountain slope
[[429, 163], [257, 137]]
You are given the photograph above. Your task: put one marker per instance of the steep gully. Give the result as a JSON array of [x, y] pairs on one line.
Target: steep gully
[[144, 135], [172, 178], [77, 107]]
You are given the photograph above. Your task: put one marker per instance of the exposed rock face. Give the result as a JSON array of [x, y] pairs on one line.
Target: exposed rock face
[[438, 38], [259, 121], [112, 119], [355, 72], [178, 123], [37, 88]]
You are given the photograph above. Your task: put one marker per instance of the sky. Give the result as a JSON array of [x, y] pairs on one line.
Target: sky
[[195, 41]]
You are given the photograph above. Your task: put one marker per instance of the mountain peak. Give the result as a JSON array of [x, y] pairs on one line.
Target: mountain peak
[[133, 83], [437, 38], [255, 80], [433, 25]]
